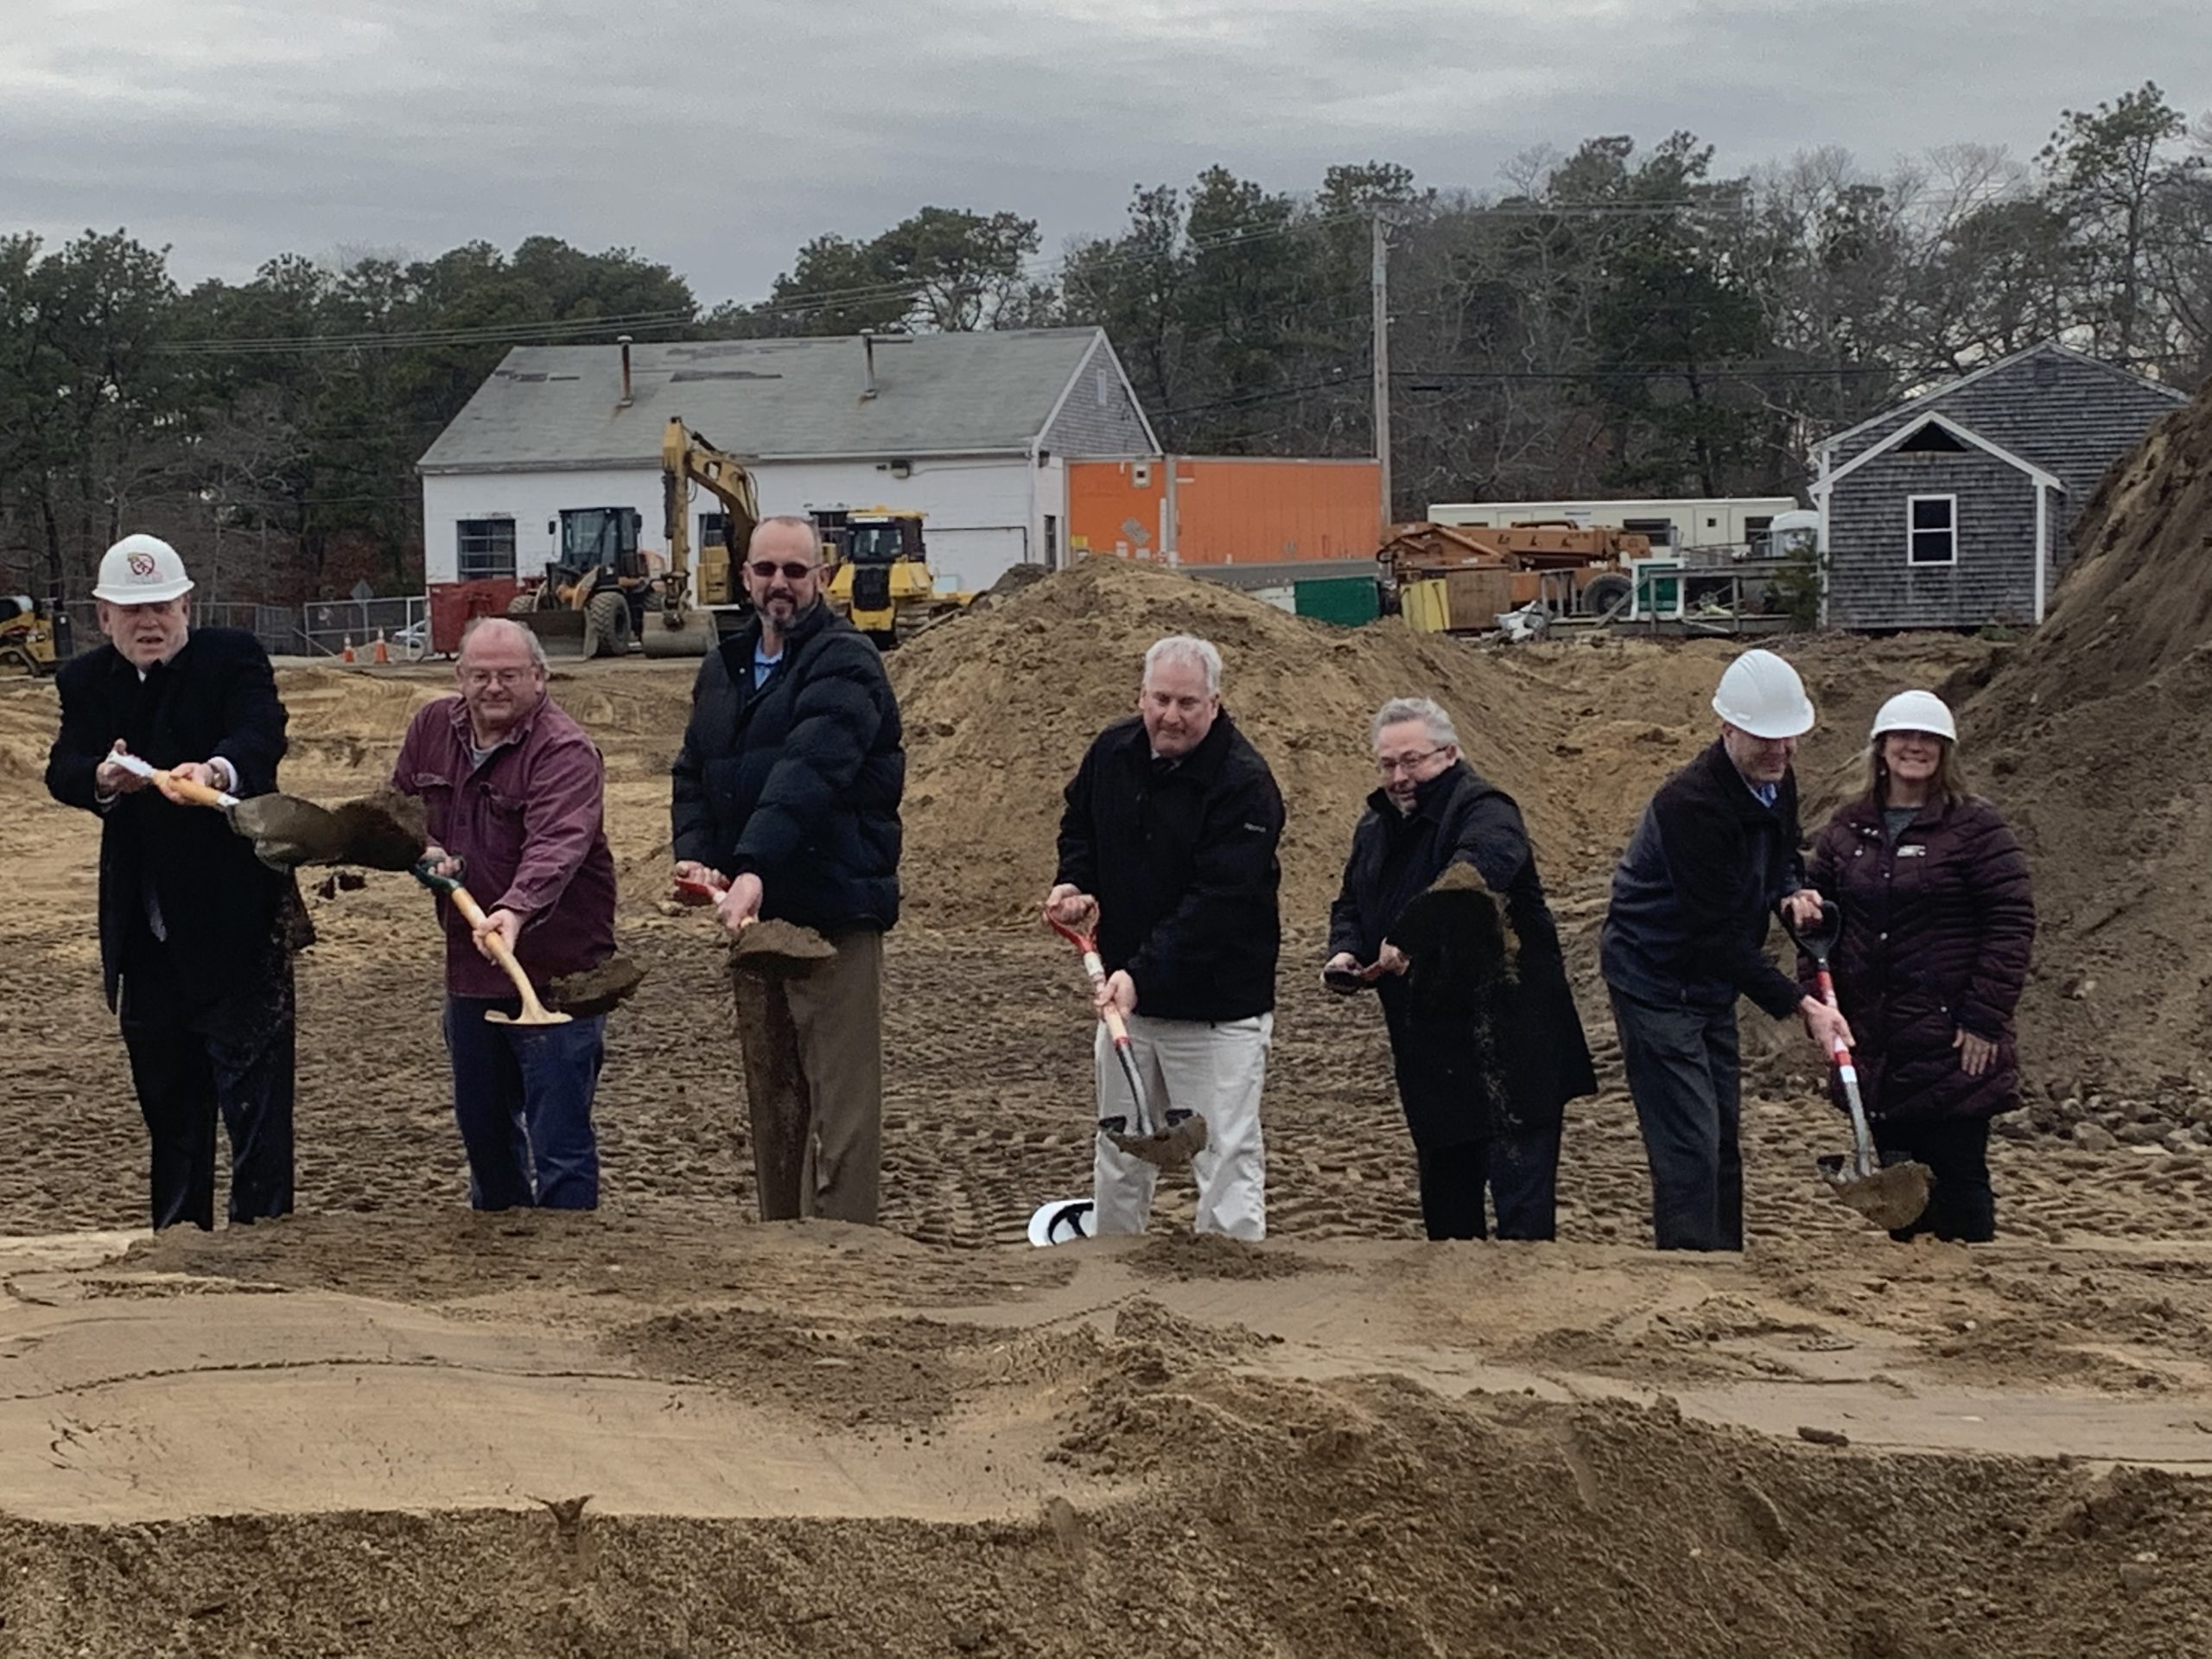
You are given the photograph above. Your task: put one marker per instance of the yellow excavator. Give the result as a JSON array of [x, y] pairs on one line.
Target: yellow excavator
[[700, 595], [26, 635], [882, 579]]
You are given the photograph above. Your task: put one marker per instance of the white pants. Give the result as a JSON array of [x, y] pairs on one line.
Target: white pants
[[1216, 1070]]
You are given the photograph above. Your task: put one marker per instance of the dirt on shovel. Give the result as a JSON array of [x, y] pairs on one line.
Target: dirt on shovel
[[778, 950], [381, 831], [1168, 1148], [1892, 1196], [595, 990]]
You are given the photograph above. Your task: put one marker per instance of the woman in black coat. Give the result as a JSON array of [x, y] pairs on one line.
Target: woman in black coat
[[1937, 923], [1484, 1035]]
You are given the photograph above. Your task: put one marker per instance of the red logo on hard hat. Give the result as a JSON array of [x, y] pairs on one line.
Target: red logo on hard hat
[[142, 565]]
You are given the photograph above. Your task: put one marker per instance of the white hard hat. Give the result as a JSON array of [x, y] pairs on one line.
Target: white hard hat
[[1062, 1222], [141, 570], [1915, 711], [1762, 694]]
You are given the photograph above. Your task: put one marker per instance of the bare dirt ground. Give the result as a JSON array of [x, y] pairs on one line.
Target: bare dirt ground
[[360, 1431]]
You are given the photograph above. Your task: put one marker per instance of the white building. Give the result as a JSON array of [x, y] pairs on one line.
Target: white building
[[973, 430], [1672, 524]]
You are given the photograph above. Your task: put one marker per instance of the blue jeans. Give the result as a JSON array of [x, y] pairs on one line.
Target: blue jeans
[[1683, 1070], [522, 1096]]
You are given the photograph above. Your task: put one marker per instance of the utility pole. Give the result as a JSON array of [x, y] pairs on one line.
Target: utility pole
[[1378, 229]]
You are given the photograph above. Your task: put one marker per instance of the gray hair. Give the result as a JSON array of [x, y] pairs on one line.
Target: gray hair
[[1430, 713], [529, 634], [1187, 648]]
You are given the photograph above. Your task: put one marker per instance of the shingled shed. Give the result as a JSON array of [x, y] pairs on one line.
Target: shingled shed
[[1951, 510]]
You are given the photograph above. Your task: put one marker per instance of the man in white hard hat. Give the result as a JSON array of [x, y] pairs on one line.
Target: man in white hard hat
[[196, 935], [1716, 852]]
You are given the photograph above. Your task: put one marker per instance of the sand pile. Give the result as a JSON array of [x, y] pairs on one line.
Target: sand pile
[[1332, 1521], [1001, 706], [2091, 738]]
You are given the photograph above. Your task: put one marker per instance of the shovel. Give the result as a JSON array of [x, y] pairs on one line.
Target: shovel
[[382, 832], [772, 949], [534, 1013], [1165, 1145], [1893, 1195]]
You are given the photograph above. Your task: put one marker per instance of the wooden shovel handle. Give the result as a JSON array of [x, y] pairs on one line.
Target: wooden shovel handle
[[198, 794], [473, 913]]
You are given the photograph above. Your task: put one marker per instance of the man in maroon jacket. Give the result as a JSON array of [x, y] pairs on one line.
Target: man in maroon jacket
[[513, 789]]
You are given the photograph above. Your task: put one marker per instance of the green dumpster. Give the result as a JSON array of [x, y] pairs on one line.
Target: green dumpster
[[1348, 601]]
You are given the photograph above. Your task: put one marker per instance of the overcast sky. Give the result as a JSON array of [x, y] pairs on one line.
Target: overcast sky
[[719, 136]]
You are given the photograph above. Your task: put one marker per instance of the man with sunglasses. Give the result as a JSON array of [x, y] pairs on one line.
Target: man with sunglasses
[[514, 793], [785, 798]]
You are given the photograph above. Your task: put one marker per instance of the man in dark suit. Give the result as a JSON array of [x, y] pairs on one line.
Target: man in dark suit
[[196, 936]]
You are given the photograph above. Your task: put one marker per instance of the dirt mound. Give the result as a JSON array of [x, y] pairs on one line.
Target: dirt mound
[[1001, 706], [1239, 1516], [2090, 738]]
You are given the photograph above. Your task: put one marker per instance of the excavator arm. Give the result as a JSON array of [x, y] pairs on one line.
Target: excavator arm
[[706, 577]]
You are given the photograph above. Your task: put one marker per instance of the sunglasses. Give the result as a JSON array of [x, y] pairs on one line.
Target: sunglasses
[[765, 569]]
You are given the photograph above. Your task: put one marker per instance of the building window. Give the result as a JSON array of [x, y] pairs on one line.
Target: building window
[[1932, 529], [1660, 532], [1758, 533], [487, 548]]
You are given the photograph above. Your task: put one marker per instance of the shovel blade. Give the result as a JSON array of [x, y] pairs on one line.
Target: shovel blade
[[287, 831], [1893, 1196], [1168, 1148]]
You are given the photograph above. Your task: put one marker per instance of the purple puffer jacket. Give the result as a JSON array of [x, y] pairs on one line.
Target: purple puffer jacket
[[1936, 940]]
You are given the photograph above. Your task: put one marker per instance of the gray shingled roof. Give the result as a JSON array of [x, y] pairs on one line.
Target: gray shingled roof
[[555, 406]]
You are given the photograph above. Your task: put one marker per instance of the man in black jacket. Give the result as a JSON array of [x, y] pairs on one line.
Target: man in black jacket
[[1488, 1047], [786, 796], [1717, 849], [1168, 844], [196, 936]]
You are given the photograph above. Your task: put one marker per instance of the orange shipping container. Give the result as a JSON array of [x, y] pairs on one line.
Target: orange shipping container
[[1227, 509]]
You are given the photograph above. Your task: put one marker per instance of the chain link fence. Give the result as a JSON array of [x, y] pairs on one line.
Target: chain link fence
[[321, 629]]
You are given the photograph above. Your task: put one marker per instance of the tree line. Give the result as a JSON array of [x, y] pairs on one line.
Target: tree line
[[1619, 319]]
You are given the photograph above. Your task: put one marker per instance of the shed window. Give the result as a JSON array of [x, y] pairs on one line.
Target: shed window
[[1659, 532], [486, 547], [1932, 529]]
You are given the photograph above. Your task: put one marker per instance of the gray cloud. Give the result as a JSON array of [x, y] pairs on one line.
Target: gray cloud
[[719, 137]]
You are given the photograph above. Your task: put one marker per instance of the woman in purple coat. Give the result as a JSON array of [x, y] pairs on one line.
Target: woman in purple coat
[[1937, 922]]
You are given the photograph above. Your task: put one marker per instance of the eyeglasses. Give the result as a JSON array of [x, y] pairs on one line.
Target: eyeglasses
[[1406, 763], [484, 677], [765, 569]]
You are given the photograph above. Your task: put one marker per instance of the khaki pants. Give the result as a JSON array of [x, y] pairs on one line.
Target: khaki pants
[[813, 1051], [1216, 1070]]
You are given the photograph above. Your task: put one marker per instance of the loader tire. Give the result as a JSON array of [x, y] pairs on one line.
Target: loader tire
[[606, 625]]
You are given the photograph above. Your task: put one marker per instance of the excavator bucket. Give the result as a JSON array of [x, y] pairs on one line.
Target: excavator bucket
[[560, 633], [663, 636]]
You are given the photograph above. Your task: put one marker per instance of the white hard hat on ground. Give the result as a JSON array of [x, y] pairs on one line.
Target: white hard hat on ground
[[1062, 1222], [141, 570], [1915, 711], [1762, 694]]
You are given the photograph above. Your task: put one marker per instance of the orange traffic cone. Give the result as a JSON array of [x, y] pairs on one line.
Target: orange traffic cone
[[345, 655], [383, 653]]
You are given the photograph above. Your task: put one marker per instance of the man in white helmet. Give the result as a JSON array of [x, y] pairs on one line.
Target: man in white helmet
[[196, 935], [1716, 852]]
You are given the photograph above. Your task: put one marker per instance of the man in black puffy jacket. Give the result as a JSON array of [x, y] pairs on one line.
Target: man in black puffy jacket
[[1168, 845], [787, 798]]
